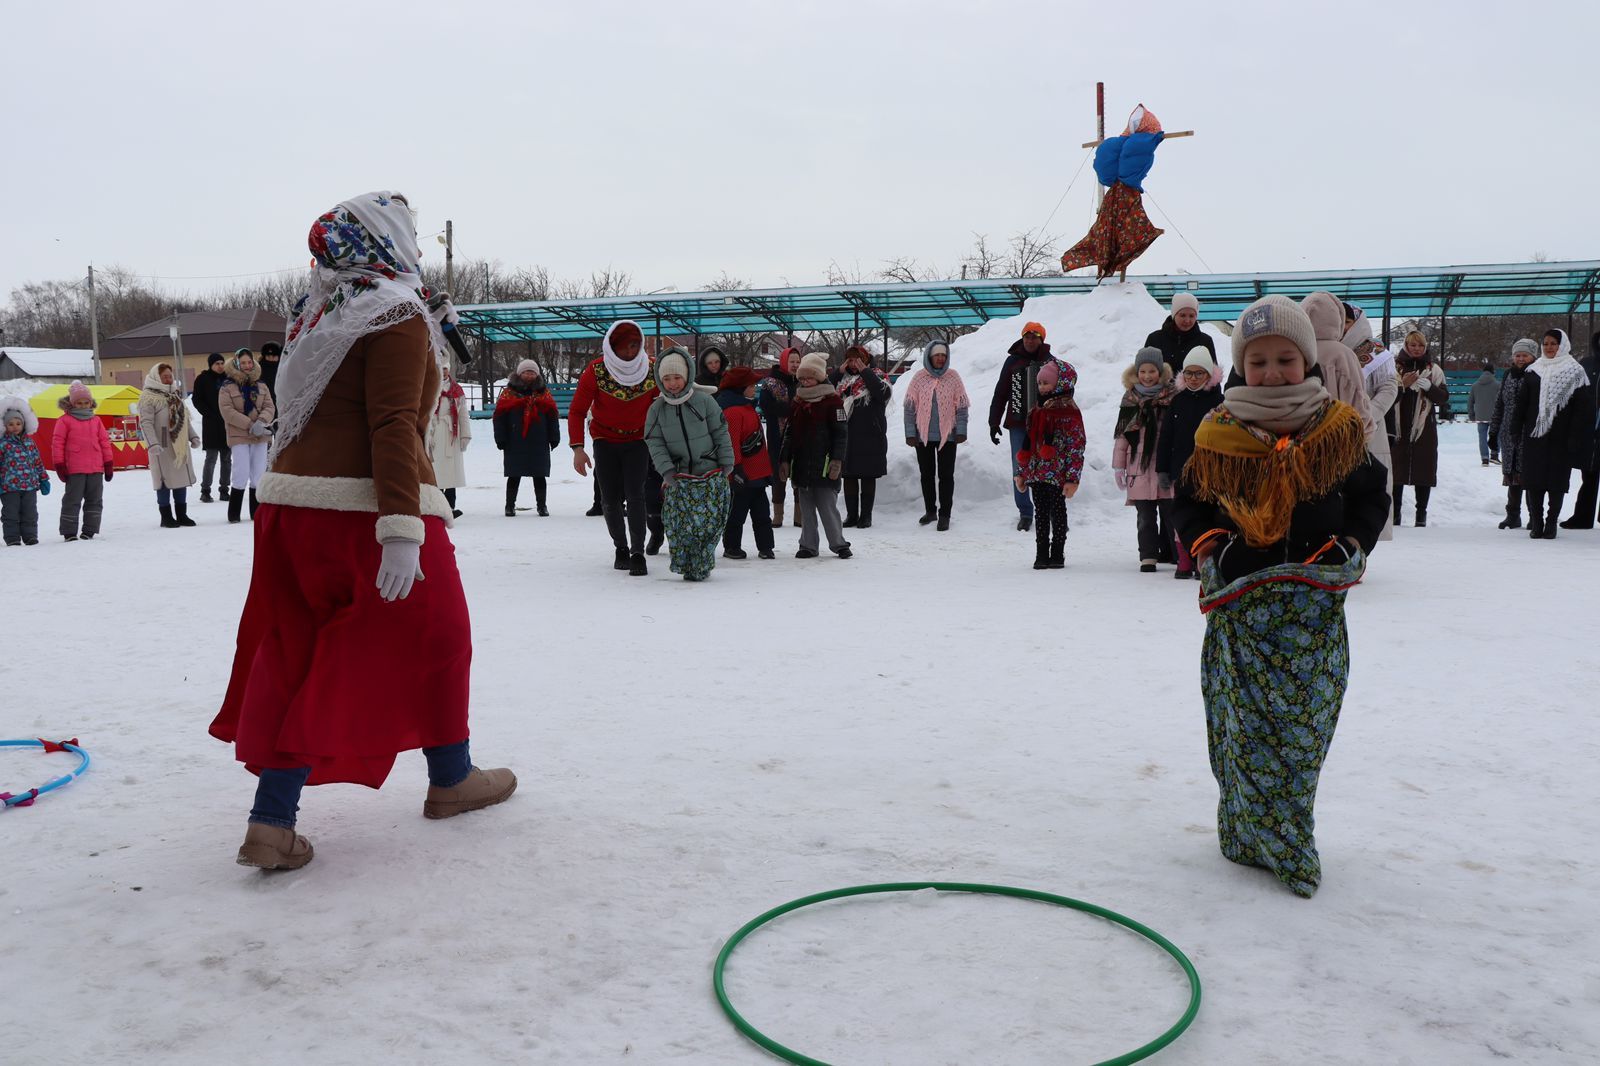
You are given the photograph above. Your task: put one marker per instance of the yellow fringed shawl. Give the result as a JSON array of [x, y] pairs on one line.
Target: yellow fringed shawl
[[1258, 478]]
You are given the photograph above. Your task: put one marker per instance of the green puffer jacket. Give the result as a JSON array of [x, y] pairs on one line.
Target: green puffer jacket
[[690, 437]]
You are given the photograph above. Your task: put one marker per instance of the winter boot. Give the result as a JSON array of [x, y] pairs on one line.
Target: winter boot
[[167, 521], [1025, 523], [180, 511], [637, 566], [271, 847], [1552, 516], [928, 518], [734, 553], [1147, 566], [205, 496], [1058, 556], [482, 788], [1513, 518], [235, 505], [658, 535], [224, 493], [944, 521], [254, 503], [621, 562], [540, 488]]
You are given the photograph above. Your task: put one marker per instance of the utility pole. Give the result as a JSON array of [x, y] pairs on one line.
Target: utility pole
[[1099, 134], [450, 256], [177, 352], [94, 326]]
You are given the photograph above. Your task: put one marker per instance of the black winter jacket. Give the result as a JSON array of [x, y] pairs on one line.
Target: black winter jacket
[[1176, 345], [213, 430], [1547, 462], [867, 450], [1184, 416], [1016, 393], [1357, 508], [816, 435]]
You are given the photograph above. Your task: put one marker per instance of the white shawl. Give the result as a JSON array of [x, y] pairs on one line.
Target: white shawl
[[1559, 378]]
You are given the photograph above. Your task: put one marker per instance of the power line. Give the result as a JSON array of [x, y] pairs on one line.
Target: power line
[[1063, 199], [1174, 225]]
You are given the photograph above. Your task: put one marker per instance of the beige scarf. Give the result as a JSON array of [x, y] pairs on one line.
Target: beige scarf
[[1278, 408]]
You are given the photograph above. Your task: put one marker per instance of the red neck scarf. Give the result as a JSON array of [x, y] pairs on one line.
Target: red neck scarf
[[532, 403]]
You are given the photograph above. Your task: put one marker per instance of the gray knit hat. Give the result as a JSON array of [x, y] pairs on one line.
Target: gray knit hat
[[1148, 355], [1275, 316], [1525, 347]]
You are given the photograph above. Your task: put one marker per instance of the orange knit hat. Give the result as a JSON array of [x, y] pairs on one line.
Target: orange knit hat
[[1033, 327]]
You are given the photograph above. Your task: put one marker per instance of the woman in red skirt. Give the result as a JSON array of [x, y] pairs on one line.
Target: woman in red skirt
[[347, 654]]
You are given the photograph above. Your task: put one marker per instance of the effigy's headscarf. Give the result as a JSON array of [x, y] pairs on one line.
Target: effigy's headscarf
[[366, 278]]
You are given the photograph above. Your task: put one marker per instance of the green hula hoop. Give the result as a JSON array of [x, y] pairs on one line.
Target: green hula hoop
[[1142, 1052]]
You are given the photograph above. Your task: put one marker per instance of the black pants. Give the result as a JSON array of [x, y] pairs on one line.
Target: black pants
[[622, 470], [1154, 515], [1049, 522], [1423, 492], [937, 459], [1583, 510], [212, 455], [859, 494], [750, 499], [515, 483]]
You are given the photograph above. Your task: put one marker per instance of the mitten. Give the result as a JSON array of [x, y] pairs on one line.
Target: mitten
[[994, 434], [912, 441], [1122, 478], [108, 471], [44, 486], [61, 472], [959, 438]]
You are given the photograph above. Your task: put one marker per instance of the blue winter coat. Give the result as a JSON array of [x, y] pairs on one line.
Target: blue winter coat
[[1127, 159]]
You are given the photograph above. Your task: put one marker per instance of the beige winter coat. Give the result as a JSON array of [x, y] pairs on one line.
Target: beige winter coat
[[230, 401], [171, 455], [1341, 370], [449, 433]]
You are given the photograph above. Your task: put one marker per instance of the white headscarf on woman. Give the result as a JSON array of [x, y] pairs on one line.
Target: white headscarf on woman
[[627, 372], [1559, 377], [366, 279]]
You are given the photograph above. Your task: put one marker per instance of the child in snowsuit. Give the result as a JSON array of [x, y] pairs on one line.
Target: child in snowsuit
[[1184, 415], [1280, 503], [1139, 422], [22, 473], [1050, 462], [812, 456], [81, 449]]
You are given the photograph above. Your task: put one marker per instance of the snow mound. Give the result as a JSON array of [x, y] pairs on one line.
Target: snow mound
[[24, 387], [1098, 332]]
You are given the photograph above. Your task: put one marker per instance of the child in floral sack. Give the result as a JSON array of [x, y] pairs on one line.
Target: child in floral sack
[[81, 449], [1139, 423], [22, 473], [1280, 503], [1051, 461]]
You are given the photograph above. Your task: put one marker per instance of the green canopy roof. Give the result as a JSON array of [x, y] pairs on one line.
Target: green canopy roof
[[1553, 289]]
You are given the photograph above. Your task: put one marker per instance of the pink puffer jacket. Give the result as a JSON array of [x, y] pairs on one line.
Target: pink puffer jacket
[[80, 445]]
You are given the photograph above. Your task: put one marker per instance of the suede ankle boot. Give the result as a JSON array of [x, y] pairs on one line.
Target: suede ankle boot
[[271, 847], [482, 788]]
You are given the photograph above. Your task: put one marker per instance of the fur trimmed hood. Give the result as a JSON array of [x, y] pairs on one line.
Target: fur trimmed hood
[[1130, 376], [16, 405], [238, 376]]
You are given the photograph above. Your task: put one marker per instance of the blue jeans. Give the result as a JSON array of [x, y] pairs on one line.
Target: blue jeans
[[278, 791], [1024, 502], [1483, 441], [165, 496]]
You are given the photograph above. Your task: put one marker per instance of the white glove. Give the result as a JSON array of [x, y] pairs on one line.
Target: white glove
[[443, 311], [1122, 479], [154, 450], [259, 429], [194, 441], [400, 568]]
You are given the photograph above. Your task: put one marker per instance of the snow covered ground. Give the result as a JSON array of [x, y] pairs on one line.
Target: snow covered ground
[[692, 755]]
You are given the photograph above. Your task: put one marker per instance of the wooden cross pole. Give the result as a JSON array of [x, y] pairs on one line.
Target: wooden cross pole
[[1102, 140]]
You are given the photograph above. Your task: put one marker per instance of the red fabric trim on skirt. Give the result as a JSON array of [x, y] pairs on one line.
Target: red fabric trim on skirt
[[328, 675]]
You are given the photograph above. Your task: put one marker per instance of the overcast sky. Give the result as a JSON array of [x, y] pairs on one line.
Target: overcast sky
[[680, 140]]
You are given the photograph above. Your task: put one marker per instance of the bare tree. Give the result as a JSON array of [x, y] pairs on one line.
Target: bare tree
[[1033, 256], [982, 261]]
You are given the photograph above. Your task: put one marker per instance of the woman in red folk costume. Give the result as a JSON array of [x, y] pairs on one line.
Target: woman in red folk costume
[[614, 395], [1121, 231], [346, 654]]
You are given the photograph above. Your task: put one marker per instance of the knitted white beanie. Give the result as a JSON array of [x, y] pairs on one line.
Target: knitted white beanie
[[1183, 300], [1199, 359]]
